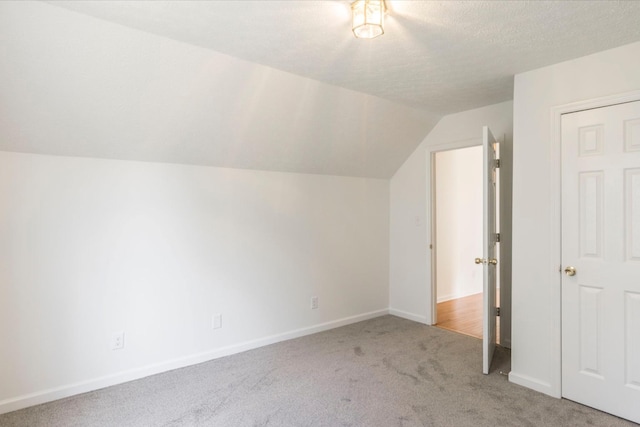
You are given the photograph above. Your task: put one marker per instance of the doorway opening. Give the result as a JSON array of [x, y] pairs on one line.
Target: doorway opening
[[458, 238]]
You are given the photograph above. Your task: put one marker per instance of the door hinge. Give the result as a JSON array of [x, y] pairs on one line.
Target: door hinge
[[497, 237], [498, 311], [497, 163]]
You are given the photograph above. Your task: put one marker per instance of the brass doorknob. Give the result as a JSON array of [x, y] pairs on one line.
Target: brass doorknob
[[570, 271], [491, 261]]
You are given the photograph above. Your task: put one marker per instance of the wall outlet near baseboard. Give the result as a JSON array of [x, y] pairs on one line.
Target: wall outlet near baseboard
[[314, 303], [117, 341], [216, 322]]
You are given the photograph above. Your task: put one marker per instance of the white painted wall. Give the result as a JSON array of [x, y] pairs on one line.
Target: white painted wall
[[458, 232], [410, 265], [89, 247], [536, 325], [99, 89]]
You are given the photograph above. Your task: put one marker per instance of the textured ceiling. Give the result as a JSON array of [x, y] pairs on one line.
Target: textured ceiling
[[440, 56]]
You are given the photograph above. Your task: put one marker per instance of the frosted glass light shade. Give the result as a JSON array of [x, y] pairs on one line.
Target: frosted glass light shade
[[368, 18]]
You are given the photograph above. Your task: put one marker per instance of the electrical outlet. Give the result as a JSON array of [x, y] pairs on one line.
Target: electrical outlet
[[217, 321], [117, 341], [314, 303]]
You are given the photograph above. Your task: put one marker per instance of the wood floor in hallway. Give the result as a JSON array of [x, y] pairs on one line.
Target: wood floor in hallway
[[463, 315]]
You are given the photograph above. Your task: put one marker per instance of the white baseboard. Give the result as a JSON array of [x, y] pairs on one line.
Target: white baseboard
[[24, 401], [449, 297], [409, 316], [533, 383]]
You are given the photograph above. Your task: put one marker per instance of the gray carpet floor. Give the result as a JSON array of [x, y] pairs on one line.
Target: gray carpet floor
[[382, 372]]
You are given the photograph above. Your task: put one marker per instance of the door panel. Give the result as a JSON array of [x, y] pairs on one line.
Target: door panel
[[601, 240], [590, 330], [591, 207], [632, 339], [632, 214]]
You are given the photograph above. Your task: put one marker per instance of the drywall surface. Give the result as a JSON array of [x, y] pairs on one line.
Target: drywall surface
[[536, 325], [410, 218], [90, 248], [99, 89], [458, 182]]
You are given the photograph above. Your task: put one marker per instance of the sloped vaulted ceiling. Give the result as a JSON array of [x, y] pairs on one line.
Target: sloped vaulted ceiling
[[272, 85], [75, 85]]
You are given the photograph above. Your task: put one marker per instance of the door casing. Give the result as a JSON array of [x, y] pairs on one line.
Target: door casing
[[431, 209]]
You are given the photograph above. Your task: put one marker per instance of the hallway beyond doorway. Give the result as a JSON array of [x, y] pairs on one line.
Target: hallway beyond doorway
[[463, 315]]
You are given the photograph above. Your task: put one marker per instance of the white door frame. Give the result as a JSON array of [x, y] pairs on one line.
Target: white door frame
[[556, 216], [432, 317]]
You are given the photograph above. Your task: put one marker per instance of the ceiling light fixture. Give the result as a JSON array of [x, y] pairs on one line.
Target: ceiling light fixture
[[368, 18]]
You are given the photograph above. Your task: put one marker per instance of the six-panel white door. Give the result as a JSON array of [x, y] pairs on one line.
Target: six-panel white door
[[601, 243]]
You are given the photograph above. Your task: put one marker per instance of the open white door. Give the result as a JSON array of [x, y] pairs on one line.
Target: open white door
[[489, 260]]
